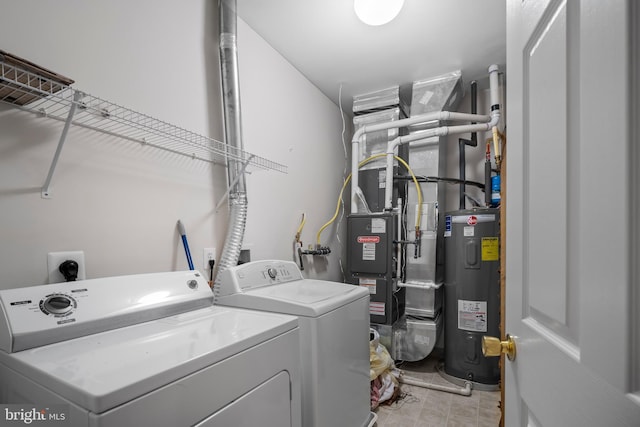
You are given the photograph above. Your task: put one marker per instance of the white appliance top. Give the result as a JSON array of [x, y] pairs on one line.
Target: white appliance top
[[102, 371], [38, 315], [99, 371], [278, 286]]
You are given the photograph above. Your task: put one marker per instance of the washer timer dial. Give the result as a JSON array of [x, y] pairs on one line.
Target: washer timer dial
[[57, 304]]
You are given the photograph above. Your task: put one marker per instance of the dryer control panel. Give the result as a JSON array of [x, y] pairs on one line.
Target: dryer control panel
[[39, 315], [256, 274]]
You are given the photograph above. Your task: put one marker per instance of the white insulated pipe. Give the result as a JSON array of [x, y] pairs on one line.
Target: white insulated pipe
[[437, 116], [399, 255], [466, 391], [494, 89], [494, 95], [485, 123], [374, 419], [424, 286], [441, 131]]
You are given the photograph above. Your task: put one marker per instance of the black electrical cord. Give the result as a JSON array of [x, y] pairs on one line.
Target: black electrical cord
[[212, 262], [422, 178]]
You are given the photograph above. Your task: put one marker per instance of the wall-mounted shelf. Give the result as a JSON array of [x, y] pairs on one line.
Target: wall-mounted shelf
[[53, 99]]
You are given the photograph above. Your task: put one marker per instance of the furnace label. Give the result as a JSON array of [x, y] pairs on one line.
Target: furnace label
[[368, 251], [382, 178], [376, 308], [368, 239], [378, 225], [369, 284]]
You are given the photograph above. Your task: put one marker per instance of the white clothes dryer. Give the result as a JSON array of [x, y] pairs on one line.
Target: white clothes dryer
[[145, 350], [334, 335]]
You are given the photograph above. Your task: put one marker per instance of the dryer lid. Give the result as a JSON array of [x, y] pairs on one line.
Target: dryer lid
[[102, 371]]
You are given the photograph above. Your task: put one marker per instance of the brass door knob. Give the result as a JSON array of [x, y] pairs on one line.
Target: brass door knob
[[492, 346]]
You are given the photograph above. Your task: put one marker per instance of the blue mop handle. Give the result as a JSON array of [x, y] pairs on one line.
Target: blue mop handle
[[183, 233]]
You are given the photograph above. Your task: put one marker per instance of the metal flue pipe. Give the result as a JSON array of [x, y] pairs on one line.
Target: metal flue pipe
[[231, 90], [233, 134]]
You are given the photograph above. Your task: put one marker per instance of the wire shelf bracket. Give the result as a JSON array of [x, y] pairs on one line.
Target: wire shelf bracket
[[46, 192], [49, 98]]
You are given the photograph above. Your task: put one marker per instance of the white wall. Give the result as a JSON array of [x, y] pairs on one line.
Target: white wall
[[287, 120], [118, 201]]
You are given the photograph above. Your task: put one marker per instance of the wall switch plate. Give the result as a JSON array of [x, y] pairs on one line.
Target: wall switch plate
[[54, 259]]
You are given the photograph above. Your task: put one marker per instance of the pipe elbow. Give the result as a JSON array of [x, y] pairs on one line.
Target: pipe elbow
[[495, 119], [357, 135], [391, 145]]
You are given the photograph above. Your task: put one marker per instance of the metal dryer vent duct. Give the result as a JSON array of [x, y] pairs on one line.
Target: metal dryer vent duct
[[428, 158], [233, 134], [440, 93]]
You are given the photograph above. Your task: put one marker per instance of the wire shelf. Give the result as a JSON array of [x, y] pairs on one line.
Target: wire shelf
[[49, 98]]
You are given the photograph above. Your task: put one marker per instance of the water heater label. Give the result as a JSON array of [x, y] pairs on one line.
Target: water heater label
[[472, 315], [469, 231], [447, 226], [473, 219], [490, 249]]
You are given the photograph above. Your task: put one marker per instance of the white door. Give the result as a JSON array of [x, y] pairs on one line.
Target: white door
[[572, 288]]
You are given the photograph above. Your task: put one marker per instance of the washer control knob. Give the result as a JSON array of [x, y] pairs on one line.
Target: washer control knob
[[272, 272], [58, 304]]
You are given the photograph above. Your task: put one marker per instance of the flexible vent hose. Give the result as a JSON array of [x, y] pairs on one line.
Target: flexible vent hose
[[235, 232]]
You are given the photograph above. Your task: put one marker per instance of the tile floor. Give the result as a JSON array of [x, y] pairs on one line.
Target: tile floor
[[420, 407]]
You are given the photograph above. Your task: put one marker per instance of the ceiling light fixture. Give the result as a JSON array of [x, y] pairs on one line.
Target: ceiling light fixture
[[377, 12]]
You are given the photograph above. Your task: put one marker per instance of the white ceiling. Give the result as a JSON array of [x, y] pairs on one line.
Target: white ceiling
[[327, 43]]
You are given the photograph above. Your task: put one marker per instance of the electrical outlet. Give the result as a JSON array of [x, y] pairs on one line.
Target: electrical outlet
[[207, 254], [54, 259], [245, 256]]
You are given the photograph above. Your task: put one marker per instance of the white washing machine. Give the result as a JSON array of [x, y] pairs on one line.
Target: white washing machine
[[145, 350], [334, 335]]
